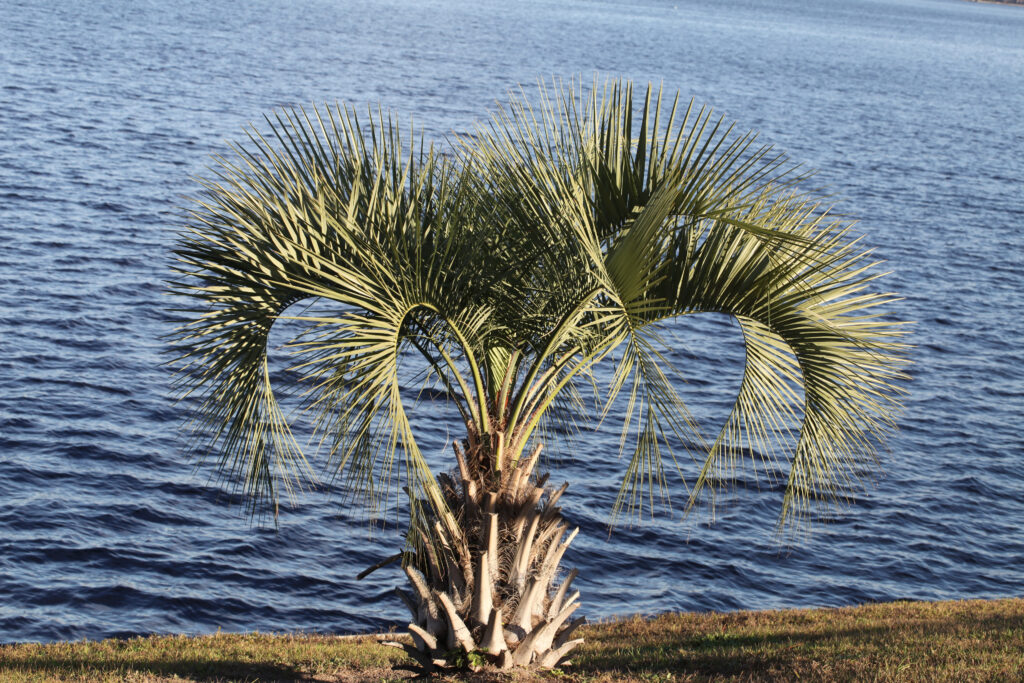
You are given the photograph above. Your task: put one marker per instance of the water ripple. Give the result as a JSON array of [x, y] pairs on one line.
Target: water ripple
[[910, 109]]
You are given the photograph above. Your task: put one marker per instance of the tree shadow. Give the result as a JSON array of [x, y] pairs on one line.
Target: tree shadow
[[767, 656]]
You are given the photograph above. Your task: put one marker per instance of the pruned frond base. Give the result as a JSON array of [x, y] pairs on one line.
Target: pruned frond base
[[486, 585]]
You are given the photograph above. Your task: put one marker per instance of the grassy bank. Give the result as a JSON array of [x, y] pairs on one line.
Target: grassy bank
[[906, 641]]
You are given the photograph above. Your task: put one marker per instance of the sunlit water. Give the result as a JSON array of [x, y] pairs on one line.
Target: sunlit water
[[910, 109]]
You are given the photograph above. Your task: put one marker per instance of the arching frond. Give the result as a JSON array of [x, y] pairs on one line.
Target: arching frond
[[649, 212], [330, 209]]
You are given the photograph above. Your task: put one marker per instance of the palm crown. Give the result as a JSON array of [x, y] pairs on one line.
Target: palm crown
[[558, 236]]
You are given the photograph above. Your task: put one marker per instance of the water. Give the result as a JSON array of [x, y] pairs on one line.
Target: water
[[910, 109]]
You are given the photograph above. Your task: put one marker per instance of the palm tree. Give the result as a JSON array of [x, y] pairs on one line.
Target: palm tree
[[558, 237]]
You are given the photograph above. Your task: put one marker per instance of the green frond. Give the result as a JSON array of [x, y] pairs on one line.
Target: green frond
[[327, 210], [820, 355], [647, 214]]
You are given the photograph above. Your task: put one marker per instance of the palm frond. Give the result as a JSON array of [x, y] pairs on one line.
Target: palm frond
[[647, 215], [335, 211]]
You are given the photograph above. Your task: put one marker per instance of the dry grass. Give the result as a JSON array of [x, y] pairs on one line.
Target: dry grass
[[907, 641], [222, 657]]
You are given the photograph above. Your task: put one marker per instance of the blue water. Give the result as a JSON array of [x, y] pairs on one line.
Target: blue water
[[911, 109]]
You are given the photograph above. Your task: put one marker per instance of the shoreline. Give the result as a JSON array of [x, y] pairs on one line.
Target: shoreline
[[898, 641]]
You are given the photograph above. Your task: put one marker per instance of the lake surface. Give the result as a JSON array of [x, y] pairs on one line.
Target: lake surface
[[910, 109]]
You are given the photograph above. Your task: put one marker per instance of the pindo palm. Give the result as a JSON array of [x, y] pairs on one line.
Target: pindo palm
[[558, 237]]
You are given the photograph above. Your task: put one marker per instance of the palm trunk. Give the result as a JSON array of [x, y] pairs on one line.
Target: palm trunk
[[490, 585]]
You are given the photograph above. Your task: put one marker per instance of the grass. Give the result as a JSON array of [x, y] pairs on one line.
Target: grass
[[961, 641]]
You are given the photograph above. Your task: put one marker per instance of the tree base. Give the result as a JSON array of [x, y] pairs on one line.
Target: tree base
[[483, 581]]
